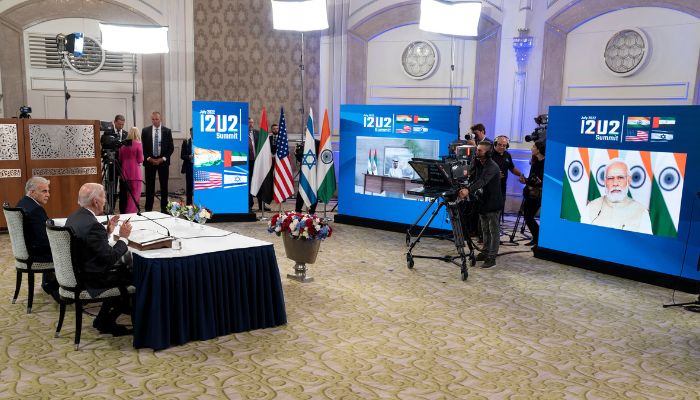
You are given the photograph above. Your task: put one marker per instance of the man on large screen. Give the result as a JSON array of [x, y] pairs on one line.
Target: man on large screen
[[616, 209]]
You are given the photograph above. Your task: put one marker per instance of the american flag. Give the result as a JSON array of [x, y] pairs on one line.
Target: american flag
[[637, 136], [206, 180], [283, 181]]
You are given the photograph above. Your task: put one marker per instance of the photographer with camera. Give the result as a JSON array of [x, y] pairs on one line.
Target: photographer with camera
[[484, 186], [532, 193]]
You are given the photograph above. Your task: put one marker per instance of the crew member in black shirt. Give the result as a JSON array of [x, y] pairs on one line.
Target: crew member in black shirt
[[485, 187], [505, 163]]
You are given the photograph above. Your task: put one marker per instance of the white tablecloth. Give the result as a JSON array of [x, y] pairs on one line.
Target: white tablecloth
[[194, 238]]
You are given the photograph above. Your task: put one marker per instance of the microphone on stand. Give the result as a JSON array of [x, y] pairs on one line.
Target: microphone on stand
[[154, 221]]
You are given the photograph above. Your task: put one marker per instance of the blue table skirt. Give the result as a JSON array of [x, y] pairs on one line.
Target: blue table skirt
[[207, 295]]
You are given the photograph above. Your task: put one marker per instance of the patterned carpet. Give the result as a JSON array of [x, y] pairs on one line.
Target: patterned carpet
[[370, 328]]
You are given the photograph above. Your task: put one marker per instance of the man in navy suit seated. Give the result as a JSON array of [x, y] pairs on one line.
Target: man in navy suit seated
[[97, 261], [36, 196]]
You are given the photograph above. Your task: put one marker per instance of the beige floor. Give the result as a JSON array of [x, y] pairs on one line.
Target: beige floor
[[370, 328]]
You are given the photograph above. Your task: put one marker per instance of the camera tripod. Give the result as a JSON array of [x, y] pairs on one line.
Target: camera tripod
[[111, 172], [518, 221], [454, 213]]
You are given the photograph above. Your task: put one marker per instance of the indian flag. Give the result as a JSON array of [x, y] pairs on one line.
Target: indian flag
[[599, 161], [666, 192], [325, 170], [575, 189], [404, 118], [638, 122], [639, 164]]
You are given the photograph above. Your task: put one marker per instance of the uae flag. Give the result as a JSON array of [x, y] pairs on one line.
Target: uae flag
[[261, 184], [575, 186], [375, 164], [369, 163], [326, 169], [666, 192]]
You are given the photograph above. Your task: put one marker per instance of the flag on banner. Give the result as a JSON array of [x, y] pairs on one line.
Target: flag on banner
[[666, 192], [634, 135], [235, 177], [283, 182], [261, 185], [307, 179], [639, 165], [326, 170], [659, 122], [206, 180], [575, 185], [369, 163], [232, 158]]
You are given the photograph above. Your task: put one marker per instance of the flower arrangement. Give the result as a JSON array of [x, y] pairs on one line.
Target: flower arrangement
[[174, 208], [299, 226], [192, 213]]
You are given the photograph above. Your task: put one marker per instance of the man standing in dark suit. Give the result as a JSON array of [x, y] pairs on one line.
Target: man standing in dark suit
[[37, 195], [97, 260], [157, 148]]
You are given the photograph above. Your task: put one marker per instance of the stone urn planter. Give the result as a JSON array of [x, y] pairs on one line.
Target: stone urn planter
[[302, 252]]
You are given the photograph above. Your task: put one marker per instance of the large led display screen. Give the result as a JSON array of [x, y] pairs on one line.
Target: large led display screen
[[376, 143], [220, 147], [621, 185]]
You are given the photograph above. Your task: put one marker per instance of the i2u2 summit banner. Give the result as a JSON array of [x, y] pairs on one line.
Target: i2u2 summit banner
[[220, 148], [622, 183]]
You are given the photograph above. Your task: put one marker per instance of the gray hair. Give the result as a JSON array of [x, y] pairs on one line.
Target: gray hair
[[617, 161], [33, 182], [88, 192]]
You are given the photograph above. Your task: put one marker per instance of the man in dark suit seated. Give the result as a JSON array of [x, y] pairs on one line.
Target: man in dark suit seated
[[97, 261], [37, 195]]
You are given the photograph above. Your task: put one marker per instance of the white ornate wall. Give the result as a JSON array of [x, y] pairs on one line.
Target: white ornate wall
[[666, 76]]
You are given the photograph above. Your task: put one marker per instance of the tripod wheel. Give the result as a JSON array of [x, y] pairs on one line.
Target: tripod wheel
[[409, 261], [465, 273]]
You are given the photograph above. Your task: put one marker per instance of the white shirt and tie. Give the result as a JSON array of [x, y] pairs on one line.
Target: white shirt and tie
[[156, 142]]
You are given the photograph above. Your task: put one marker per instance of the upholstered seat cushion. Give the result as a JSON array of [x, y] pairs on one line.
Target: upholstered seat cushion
[[35, 267], [84, 295]]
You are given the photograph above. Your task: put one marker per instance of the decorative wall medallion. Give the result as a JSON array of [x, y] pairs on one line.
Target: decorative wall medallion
[[64, 171], [626, 52], [9, 149], [10, 173], [419, 59], [61, 142], [91, 61]]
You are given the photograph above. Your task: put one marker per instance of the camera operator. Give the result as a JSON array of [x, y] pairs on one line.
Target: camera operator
[[505, 163], [485, 187], [117, 134], [532, 192], [478, 134]]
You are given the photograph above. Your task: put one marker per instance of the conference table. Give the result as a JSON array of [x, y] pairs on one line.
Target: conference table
[[216, 284]]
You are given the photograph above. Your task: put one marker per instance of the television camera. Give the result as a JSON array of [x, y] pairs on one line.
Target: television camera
[[24, 112], [442, 180], [540, 133]]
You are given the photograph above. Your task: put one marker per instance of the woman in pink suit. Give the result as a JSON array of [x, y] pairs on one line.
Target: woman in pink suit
[[131, 158]]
